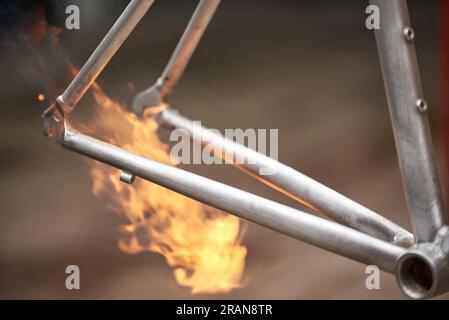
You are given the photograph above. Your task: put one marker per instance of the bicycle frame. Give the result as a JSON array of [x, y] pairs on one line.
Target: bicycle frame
[[421, 266]]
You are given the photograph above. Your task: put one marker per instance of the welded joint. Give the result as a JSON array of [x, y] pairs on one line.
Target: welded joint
[[423, 271], [53, 120], [66, 108]]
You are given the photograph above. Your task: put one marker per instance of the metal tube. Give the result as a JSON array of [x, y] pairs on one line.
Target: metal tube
[[154, 96], [121, 29], [322, 233], [293, 183], [408, 111], [187, 45]]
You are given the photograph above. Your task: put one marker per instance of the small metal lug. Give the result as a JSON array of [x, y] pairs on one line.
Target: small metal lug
[[127, 177], [422, 106], [409, 34]]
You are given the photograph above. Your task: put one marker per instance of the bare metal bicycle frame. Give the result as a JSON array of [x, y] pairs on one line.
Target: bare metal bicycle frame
[[420, 262]]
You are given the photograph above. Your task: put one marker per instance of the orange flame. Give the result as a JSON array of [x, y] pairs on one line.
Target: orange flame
[[202, 244], [199, 242]]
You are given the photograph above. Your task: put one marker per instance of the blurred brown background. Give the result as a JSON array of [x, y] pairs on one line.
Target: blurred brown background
[[309, 68]]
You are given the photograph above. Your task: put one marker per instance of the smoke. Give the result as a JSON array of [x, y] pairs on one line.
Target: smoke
[[34, 46]]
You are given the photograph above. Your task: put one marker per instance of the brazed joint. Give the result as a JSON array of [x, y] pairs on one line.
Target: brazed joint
[[53, 122], [423, 271]]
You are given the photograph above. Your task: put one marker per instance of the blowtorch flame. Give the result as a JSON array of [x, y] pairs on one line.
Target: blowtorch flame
[[199, 242]]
